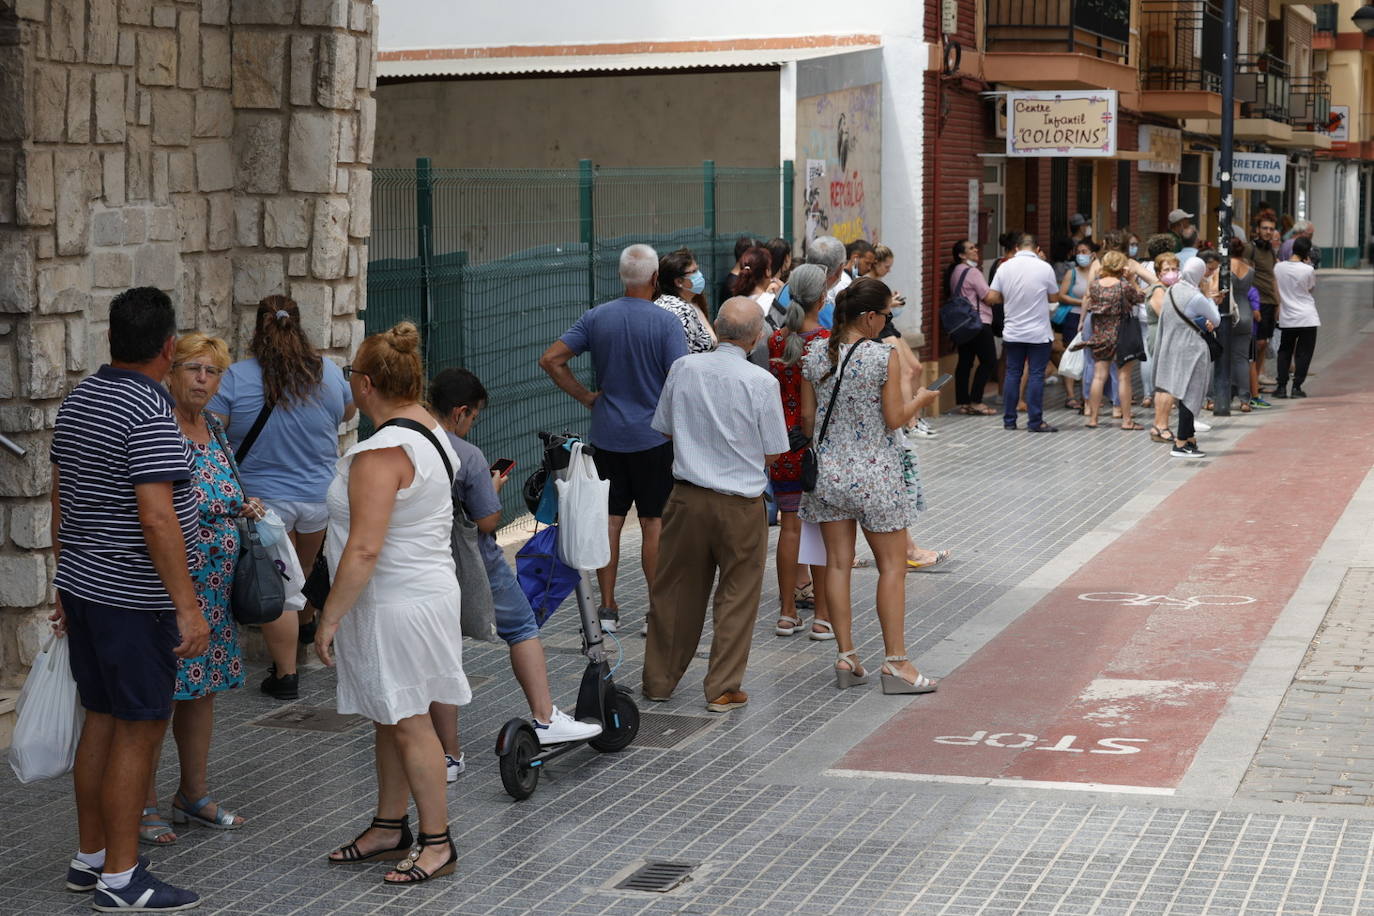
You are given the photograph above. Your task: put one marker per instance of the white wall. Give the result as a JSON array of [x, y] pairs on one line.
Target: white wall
[[463, 23], [1333, 207]]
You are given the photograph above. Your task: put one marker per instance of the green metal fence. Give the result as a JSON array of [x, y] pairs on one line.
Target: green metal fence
[[495, 264]]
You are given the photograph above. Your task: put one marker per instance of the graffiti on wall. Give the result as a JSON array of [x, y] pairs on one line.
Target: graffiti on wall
[[839, 137]]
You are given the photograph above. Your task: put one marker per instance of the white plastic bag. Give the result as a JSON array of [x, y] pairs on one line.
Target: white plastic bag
[[50, 717], [1071, 363], [283, 554], [584, 541], [811, 550]]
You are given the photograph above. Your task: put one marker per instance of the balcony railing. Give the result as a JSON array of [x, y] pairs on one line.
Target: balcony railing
[[1262, 87], [1309, 105], [1097, 28], [1180, 45]]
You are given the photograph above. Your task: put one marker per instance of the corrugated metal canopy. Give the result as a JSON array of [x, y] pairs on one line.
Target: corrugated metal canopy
[[434, 64]]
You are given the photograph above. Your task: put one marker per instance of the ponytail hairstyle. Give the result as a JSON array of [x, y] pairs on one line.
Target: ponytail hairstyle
[[391, 359], [807, 284], [957, 257], [291, 367], [753, 270], [864, 295]]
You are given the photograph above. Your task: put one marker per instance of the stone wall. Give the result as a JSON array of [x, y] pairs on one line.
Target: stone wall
[[217, 149]]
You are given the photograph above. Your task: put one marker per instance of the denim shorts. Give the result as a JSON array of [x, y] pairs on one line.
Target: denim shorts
[[301, 517], [122, 659], [514, 616]]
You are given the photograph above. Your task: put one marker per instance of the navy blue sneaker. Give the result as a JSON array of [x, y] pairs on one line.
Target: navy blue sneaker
[[144, 894], [81, 878]]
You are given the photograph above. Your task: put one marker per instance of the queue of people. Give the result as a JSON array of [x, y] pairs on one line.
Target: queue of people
[[1109, 299], [800, 388]]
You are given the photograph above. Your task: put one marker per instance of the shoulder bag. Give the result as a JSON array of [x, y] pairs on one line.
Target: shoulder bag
[[810, 467], [958, 316], [254, 431], [258, 593], [1213, 345], [317, 584]]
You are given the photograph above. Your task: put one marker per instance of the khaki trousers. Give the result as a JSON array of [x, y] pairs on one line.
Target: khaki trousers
[[705, 531]]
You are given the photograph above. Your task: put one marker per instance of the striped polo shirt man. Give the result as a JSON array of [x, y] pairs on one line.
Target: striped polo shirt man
[[113, 432]]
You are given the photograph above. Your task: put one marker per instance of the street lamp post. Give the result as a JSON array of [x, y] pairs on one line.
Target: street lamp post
[[1221, 400]]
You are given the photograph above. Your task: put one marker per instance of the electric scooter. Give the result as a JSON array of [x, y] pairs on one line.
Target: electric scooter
[[517, 746]]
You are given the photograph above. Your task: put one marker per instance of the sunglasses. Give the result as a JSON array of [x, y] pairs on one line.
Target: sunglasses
[[349, 372]]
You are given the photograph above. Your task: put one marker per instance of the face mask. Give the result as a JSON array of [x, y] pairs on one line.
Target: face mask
[[1191, 237], [1083, 259], [698, 282], [898, 310], [1169, 277], [1133, 250], [1087, 232]]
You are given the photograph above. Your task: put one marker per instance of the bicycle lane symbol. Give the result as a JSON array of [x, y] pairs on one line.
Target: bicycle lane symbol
[[1135, 599]]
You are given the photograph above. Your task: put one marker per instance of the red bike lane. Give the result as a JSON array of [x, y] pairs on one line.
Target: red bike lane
[[1117, 676]]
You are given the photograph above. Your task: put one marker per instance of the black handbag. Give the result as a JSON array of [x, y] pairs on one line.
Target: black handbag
[[1214, 349], [810, 463], [317, 583], [258, 592], [1130, 342], [958, 316]]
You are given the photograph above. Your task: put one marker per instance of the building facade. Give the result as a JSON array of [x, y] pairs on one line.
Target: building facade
[[1343, 186]]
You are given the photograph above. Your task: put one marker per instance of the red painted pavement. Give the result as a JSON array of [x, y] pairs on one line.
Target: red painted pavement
[[1160, 671]]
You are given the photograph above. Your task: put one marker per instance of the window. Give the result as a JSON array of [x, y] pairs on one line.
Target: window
[[1190, 190], [1243, 35]]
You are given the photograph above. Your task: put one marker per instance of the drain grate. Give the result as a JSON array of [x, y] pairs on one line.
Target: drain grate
[[309, 719], [665, 730], [657, 877]]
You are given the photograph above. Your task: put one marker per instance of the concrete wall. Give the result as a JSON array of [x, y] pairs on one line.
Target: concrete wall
[[664, 119], [216, 150]]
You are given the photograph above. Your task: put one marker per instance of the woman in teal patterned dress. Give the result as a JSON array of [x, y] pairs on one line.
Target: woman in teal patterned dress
[[195, 375]]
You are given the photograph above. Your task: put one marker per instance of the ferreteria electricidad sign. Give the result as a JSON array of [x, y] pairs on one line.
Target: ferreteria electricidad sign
[[1253, 171], [1074, 124]]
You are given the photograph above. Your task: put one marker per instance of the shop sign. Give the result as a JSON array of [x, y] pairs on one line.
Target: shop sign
[[1253, 171], [1340, 135], [1165, 146], [1061, 124]]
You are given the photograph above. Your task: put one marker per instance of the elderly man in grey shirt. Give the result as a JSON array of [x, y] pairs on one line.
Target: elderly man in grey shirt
[[725, 418]]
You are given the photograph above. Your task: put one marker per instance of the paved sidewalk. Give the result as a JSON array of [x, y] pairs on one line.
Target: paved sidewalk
[[745, 796]]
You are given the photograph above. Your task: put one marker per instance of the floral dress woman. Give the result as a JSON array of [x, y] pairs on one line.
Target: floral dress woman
[[1108, 305], [212, 559], [864, 472]]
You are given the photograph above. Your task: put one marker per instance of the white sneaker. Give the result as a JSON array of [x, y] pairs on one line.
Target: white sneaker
[[563, 728], [1202, 427], [455, 767], [923, 430]]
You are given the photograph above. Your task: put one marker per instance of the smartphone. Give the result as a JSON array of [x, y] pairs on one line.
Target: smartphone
[[502, 467], [940, 382]]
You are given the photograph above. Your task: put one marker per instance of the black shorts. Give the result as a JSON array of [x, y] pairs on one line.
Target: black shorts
[[1268, 321], [122, 659], [644, 479]]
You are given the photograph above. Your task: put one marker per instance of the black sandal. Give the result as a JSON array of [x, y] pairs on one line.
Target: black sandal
[[414, 874], [353, 855]]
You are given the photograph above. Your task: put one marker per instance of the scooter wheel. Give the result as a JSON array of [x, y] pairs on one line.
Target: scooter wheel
[[519, 778], [620, 725]]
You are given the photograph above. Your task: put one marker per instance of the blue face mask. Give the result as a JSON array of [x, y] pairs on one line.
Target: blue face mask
[[1133, 250], [1083, 259], [897, 310], [698, 282]]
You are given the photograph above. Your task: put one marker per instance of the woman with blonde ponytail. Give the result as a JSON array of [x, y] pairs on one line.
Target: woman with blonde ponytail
[[282, 409], [785, 348]]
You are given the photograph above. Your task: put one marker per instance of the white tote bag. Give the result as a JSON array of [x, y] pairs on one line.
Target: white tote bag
[[50, 717], [1071, 363], [283, 554], [583, 514]]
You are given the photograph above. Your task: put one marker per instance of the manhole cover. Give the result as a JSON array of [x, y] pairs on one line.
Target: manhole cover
[[309, 719], [657, 877], [665, 730]]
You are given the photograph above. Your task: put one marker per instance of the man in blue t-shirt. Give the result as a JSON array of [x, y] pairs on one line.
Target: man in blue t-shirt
[[633, 343], [457, 398], [123, 511]]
